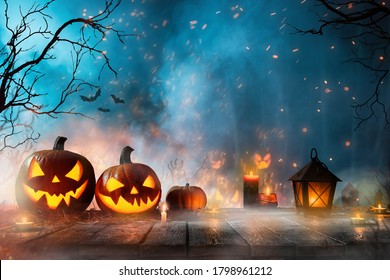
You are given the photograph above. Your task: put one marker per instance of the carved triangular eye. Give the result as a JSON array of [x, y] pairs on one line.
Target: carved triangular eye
[[149, 182], [34, 170], [76, 172], [113, 184]]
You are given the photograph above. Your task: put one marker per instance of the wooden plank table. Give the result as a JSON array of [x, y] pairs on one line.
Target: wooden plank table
[[258, 233]]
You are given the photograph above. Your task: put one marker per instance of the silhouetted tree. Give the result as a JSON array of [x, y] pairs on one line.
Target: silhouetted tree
[[20, 57], [367, 24]]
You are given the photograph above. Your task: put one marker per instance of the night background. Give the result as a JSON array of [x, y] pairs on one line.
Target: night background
[[209, 91]]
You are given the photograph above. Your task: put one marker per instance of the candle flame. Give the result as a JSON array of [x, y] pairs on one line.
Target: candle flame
[[24, 220], [251, 173], [164, 207], [267, 191], [379, 205]]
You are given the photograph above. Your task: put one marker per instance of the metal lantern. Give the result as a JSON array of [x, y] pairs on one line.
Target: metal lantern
[[314, 185]]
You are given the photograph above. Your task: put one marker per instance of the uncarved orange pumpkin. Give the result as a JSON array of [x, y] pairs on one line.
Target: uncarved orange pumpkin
[[186, 197], [55, 180], [128, 188]]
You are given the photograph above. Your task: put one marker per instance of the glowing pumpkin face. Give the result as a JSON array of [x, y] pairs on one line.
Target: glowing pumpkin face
[[55, 180], [128, 188]]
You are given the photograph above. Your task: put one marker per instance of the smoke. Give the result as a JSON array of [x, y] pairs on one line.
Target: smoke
[[208, 86]]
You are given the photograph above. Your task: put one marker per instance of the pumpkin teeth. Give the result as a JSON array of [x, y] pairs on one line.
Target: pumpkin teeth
[[125, 207], [135, 202], [53, 200]]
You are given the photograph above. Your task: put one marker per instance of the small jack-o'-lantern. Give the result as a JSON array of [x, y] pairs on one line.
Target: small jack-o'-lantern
[[56, 180], [187, 197], [128, 188]]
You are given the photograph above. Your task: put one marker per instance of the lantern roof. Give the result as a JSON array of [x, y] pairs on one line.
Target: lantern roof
[[315, 171]]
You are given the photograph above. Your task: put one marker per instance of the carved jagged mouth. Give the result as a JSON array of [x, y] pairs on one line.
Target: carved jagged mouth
[[124, 207], [53, 200]]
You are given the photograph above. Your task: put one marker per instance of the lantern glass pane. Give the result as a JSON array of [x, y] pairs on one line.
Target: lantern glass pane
[[319, 193], [298, 193]]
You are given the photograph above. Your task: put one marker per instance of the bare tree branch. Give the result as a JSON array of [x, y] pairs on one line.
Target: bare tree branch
[[11, 128], [366, 23], [19, 75]]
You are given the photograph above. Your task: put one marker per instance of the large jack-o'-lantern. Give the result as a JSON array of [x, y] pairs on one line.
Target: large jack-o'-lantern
[[128, 188], [56, 180]]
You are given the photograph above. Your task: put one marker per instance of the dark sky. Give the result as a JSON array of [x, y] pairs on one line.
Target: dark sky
[[216, 84]]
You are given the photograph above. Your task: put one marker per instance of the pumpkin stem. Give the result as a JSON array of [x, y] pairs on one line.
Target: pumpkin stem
[[187, 185], [126, 155], [59, 144]]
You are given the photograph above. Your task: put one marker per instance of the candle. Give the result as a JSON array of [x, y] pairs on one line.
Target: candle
[[380, 209], [251, 189], [24, 224], [268, 199], [251, 179], [164, 215], [358, 220]]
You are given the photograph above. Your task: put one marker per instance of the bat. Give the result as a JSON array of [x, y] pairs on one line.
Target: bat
[[104, 110], [91, 98], [117, 99]]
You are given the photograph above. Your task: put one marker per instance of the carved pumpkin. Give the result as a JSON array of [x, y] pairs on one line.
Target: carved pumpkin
[[56, 180], [128, 188], [187, 197]]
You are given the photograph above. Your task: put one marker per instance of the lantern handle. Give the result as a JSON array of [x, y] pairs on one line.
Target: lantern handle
[[126, 155], [315, 157], [313, 150]]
